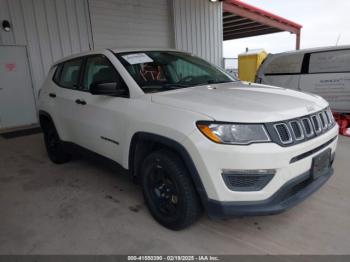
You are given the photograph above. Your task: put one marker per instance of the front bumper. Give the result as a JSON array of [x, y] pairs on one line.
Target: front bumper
[[289, 195], [291, 164]]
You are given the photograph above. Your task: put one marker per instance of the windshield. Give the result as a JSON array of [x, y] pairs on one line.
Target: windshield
[[157, 71]]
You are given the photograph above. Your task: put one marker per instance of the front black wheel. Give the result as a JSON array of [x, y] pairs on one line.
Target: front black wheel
[[168, 190], [54, 145]]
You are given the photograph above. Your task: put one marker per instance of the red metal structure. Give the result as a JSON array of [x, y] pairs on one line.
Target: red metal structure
[[244, 20], [343, 121]]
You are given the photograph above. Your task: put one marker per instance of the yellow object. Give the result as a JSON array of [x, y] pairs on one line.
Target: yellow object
[[248, 64]]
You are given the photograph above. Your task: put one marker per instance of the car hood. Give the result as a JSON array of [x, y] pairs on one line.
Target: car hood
[[242, 102]]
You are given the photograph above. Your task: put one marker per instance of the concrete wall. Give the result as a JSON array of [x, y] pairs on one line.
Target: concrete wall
[[50, 29], [137, 23], [198, 28]]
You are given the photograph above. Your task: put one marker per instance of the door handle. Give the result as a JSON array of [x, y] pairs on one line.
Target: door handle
[[80, 102], [52, 95]]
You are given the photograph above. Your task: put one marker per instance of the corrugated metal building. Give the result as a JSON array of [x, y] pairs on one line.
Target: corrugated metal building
[[43, 31], [36, 33]]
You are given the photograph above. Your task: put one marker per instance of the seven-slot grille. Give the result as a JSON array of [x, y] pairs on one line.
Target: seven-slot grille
[[304, 128], [284, 133], [309, 132]]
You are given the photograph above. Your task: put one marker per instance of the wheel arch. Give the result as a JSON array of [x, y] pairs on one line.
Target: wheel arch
[[44, 118], [142, 143]]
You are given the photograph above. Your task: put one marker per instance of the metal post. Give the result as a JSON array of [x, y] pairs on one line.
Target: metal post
[[297, 43]]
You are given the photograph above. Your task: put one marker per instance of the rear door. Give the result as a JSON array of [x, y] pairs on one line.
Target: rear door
[[328, 75], [64, 93]]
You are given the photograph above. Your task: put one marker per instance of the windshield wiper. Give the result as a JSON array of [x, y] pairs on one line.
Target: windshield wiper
[[212, 82], [179, 85], [175, 86], [218, 82]]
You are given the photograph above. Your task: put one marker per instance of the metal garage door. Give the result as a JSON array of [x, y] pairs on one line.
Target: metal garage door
[[17, 106], [138, 23]]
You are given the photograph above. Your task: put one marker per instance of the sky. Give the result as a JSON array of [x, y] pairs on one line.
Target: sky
[[323, 22]]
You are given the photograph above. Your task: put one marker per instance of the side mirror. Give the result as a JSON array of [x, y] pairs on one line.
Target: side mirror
[[109, 89]]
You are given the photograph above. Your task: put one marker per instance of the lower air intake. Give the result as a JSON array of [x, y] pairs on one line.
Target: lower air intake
[[246, 182]]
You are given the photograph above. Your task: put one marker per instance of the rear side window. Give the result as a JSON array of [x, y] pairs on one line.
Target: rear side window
[[285, 64], [56, 76], [69, 75], [330, 62]]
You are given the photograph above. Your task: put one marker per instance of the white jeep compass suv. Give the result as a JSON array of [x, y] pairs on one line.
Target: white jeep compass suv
[[193, 136]]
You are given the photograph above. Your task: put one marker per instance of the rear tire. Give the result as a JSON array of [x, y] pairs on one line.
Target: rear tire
[[54, 145], [168, 190]]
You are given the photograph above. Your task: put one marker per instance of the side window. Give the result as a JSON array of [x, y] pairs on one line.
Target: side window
[[57, 75], [284, 64], [70, 73], [330, 62], [185, 69], [99, 69]]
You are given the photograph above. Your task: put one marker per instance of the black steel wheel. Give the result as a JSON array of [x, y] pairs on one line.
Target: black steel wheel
[[54, 145], [168, 190]]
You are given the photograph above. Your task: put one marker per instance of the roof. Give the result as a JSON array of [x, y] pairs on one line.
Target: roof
[[115, 50], [244, 20], [132, 49], [317, 49]]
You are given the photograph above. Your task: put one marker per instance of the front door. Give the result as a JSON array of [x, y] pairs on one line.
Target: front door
[[17, 104], [101, 121]]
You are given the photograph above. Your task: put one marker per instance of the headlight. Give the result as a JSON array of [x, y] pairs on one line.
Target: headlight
[[239, 134]]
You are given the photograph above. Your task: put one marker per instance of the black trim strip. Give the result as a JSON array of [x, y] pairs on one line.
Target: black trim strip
[[319, 73], [22, 132], [110, 140], [313, 73], [311, 152], [305, 64], [282, 74]]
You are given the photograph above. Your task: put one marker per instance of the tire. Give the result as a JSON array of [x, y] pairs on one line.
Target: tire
[[168, 190], [54, 145]]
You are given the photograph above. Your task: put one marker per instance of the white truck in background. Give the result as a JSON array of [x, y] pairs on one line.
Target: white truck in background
[[322, 71]]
